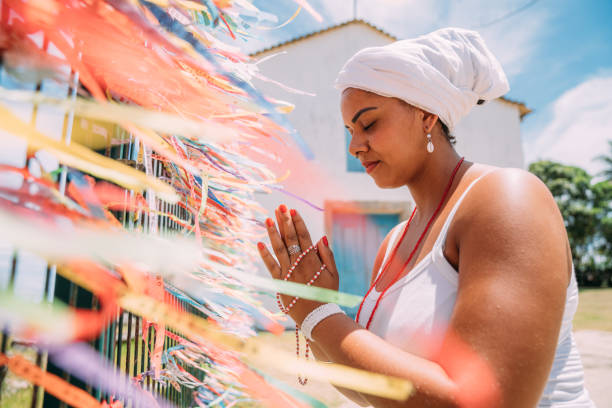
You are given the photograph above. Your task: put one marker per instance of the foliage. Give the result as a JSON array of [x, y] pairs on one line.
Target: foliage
[[607, 160], [586, 210]]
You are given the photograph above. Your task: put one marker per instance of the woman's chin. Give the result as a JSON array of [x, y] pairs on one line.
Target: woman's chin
[[386, 183]]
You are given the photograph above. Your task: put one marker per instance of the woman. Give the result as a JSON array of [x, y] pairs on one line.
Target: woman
[[472, 298]]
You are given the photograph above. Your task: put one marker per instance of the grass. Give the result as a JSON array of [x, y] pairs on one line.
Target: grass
[[594, 310], [16, 392], [124, 347], [16, 399]]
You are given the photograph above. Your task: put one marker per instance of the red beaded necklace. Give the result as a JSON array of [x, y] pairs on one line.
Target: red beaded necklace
[[399, 272]]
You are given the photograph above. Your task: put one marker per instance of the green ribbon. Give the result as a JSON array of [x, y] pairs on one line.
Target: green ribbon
[[300, 290]]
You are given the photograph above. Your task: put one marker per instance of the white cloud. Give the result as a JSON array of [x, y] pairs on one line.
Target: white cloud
[[402, 18], [580, 127], [513, 40], [332, 12], [336, 10]]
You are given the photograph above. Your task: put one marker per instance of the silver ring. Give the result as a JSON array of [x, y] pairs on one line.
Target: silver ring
[[294, 249]]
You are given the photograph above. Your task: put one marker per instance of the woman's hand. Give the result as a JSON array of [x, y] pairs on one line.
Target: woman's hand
[[292, 231]]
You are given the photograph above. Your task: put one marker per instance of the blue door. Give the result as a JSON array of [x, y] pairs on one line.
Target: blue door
[[355, 241]]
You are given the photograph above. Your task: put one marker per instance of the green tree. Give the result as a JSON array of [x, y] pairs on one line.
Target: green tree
[[607, 160], [602, 200], [573, 191]]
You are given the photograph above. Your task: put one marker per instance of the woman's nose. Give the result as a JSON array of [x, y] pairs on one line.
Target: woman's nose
[[358, 144]]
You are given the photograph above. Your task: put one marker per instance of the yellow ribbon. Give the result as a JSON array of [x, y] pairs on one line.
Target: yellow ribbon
[[79, 157], [198, 329]]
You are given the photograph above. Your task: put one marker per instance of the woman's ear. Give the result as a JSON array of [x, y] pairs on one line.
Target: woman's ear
[[429, 121]]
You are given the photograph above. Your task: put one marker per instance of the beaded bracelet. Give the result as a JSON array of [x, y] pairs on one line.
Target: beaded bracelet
[[295, 299], [289, 272], [302, 381]]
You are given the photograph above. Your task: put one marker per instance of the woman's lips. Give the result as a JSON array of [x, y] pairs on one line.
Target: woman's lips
[[369, 166]]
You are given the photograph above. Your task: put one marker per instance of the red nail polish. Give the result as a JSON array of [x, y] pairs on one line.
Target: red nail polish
[[293, 212], [269, 222], [325, 241], [283, 208], [260, 245]]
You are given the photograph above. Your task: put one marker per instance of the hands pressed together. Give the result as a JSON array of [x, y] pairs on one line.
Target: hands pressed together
[[292, 231]]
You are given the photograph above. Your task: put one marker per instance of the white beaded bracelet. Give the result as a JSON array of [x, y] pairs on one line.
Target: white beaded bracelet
[[315, 317]]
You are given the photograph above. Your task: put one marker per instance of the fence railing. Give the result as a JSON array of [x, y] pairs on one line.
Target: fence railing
[[127, 340]]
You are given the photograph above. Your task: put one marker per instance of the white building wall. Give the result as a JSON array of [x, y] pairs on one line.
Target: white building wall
[[490, 134]]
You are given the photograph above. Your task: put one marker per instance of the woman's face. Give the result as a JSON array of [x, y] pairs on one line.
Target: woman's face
[[387, 136]]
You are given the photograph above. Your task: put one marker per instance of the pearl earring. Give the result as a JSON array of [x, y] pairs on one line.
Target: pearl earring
[[430, 146]]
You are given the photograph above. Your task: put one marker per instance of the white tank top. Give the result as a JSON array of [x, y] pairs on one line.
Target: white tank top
[[420, 304]]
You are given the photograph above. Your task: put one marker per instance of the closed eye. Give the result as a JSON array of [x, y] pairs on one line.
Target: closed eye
[[369, 126]]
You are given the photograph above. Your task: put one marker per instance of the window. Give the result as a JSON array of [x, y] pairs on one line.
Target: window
[[355, 241]]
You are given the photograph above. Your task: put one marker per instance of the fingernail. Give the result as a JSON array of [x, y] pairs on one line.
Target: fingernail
[[325, 241], [283, 208], [260, 245], [293, 212], [269, 222]]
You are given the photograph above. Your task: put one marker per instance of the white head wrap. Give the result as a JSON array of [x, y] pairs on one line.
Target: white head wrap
[[445, 72]]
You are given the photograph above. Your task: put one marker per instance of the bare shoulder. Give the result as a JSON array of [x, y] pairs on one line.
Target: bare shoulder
[[511, 222], [510, 200], [508, 187]]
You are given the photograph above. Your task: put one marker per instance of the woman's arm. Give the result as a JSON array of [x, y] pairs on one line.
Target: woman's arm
[[354, 396], [318, 351], [513, 274], [514, 268]]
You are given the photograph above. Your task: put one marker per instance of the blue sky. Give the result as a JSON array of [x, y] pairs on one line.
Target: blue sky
[[557, 54]]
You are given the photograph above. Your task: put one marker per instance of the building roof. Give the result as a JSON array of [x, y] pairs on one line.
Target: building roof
[[323, 31], [523, 109]]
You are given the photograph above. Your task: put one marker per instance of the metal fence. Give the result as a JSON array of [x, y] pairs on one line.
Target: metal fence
[[124, 342]]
